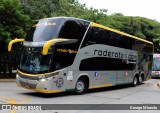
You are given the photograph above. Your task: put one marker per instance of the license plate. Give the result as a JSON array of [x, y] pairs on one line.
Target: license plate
[[27, 86]]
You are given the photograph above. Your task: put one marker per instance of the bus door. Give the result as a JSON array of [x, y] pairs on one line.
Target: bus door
[[120, 77], [124, 71], [124, 76]]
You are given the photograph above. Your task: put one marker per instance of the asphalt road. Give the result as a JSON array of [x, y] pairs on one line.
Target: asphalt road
[[147, 93]]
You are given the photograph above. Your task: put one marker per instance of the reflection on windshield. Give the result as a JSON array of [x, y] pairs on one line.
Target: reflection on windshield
[[44, 30], [156, 64], [33, 61]]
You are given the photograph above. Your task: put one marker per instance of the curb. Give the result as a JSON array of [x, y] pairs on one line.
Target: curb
[[7, 80]]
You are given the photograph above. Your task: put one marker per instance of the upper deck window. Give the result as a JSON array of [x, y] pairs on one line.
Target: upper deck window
[[44, 30], [74, 29]]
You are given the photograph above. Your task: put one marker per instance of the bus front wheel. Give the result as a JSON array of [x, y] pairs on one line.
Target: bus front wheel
[[81, 86]]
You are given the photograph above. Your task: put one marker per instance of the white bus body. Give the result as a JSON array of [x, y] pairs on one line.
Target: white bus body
[[70, 54]]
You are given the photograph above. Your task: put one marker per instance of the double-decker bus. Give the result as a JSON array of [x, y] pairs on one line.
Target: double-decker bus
[[156, 65], [70, 54]]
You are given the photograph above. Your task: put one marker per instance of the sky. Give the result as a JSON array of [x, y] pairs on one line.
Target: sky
[[143, 8]]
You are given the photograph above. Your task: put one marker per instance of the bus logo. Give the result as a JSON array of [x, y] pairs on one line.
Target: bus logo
[[95, 74], [59, 82]]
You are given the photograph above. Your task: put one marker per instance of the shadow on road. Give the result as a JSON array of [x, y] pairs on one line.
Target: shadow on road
[[71, 93], [118, 87], [155, 77]]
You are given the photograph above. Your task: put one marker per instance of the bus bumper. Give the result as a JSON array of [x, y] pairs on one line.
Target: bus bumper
[[155, 74], [42, 85]]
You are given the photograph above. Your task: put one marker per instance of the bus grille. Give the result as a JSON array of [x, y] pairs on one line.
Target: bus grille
[[27, 85]]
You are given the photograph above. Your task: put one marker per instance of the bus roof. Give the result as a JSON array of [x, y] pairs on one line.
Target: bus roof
[[119, 32], [104, 27], [66, 18]]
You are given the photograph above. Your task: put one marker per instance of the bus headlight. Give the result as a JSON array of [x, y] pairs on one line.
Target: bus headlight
[[43, 80], [17, 75]]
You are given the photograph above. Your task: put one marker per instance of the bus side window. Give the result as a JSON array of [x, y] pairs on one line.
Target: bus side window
[[105, 37], [113, 40], [97, 35], [118, 38], [73, 30], [63, 58], [92, 38]]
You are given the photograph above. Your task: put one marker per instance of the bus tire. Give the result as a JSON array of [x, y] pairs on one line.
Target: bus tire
[[140, 79], [81, 86], [135, 81]]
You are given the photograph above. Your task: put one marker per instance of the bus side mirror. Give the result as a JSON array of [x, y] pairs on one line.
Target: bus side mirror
[[48, 44], [12, 42]]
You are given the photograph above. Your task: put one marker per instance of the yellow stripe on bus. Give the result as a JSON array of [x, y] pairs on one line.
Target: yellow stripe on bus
[[12, 42], [48, 91], [47, 45], [37, 74], [119, 32], [100, 86]]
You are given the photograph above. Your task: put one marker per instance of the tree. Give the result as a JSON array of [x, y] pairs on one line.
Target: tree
[[13, 24]]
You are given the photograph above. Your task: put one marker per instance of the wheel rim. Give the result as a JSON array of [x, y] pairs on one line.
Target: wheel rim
[[80, 86], [140, 79], [135, 80]]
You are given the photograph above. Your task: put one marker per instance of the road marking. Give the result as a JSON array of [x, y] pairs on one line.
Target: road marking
[[14, 101], [11, 101], [24, 100], [7, 80]]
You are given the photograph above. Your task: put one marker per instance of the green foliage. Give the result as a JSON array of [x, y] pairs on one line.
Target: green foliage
[[138, 26], [16, 14], [13, 22]]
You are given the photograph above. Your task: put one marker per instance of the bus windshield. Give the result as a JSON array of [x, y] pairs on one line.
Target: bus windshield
[[156, 64], [44, 30], [32, 60], [59, 56]]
